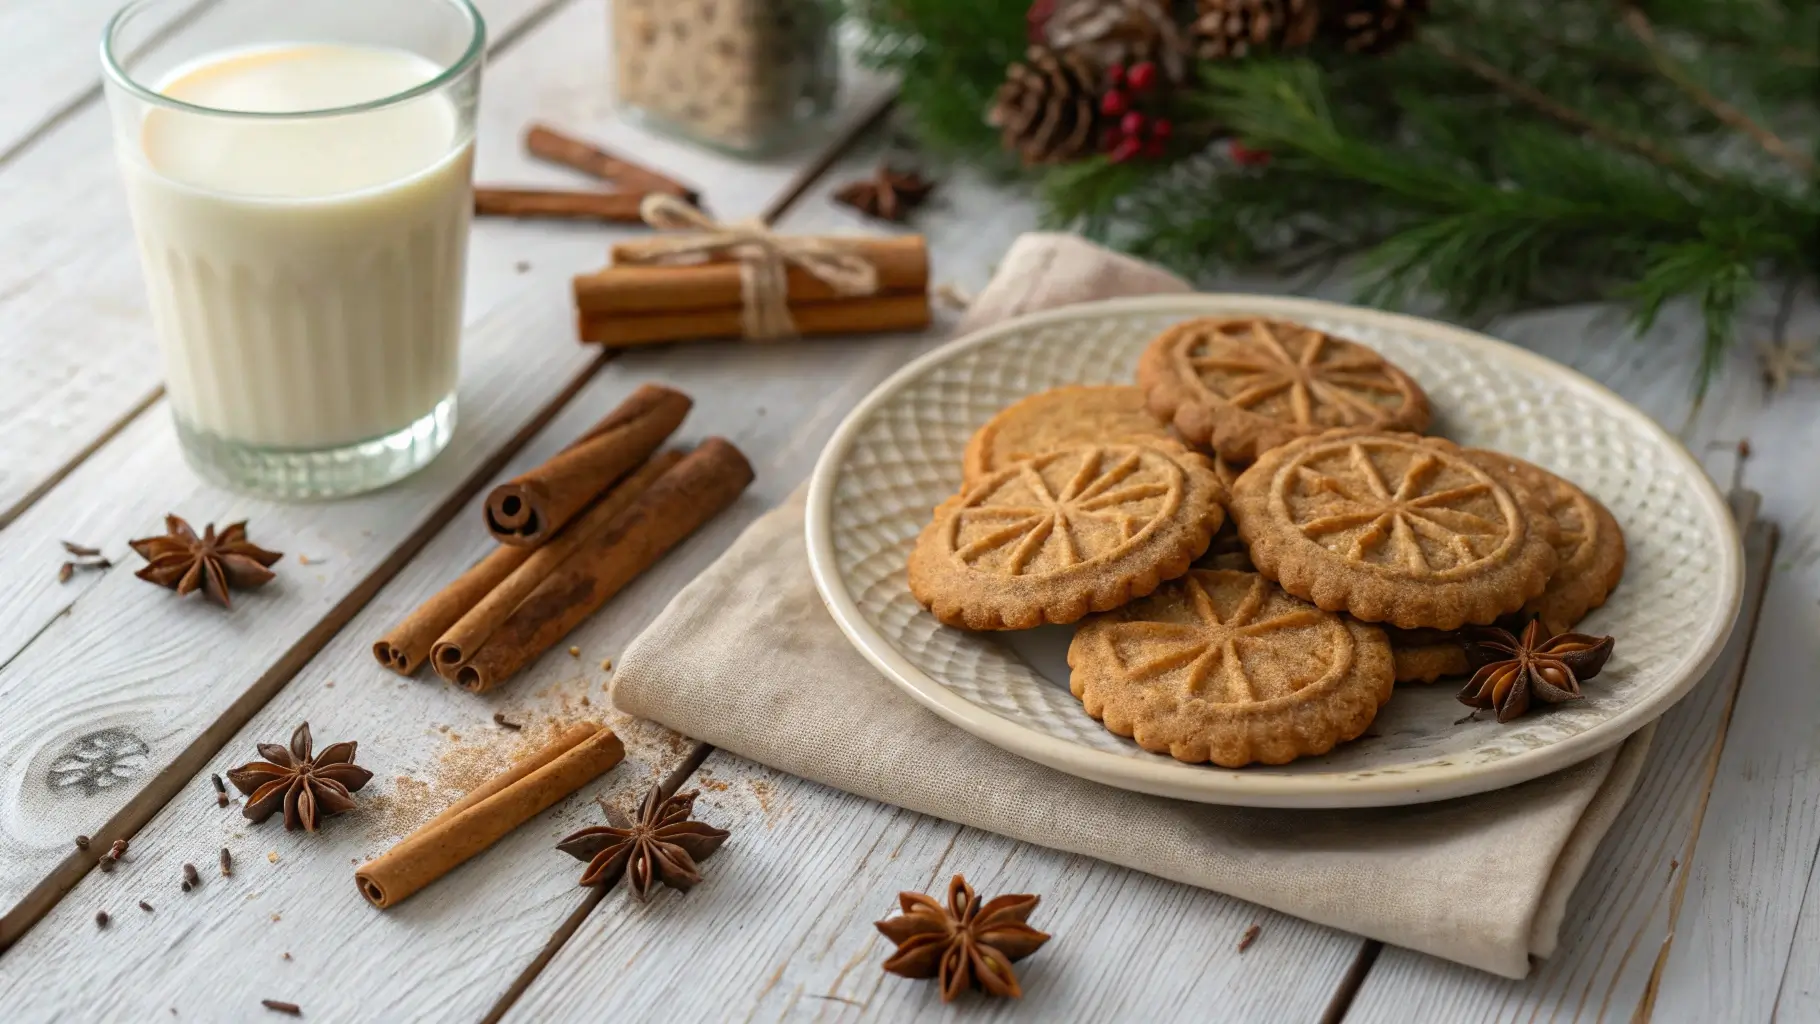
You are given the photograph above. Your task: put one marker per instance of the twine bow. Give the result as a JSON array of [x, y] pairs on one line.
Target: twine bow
[[763, 260]]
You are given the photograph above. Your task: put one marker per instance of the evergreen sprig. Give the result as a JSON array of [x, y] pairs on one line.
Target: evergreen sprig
[[1513, 155]]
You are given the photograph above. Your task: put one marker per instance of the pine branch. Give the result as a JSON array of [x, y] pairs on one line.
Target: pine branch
[[1639, 25]]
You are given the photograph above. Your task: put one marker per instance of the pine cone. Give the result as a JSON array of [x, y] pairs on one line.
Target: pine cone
[[1372, 26], [1047, 110], [1119, 32], [1227, 29]]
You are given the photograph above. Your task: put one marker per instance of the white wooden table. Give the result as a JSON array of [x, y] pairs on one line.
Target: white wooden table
[[1700, 906]]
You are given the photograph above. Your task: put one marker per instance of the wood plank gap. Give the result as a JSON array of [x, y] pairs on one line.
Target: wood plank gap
[[57, 476], [1744, 506], [843, 144], [495, 47], [1352, 981], [93, 93], [570, 924], [524, 27], [165, 786]]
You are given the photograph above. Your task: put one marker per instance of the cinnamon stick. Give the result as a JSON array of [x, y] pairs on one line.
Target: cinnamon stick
[[464, 636], [613, 207], [902, 265], [693, 491], [907, 312], [483, 817], [549, 144], [528, 510], [404, 649]]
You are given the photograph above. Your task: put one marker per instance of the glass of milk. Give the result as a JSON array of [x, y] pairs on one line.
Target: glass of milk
[[300, 178]]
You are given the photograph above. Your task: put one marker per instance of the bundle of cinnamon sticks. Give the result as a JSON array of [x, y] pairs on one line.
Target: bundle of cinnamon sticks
[[628, 304], [572, 533]]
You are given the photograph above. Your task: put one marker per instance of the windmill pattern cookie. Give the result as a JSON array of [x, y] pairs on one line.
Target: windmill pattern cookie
[[1393, 528], [1245, 386], [1224, 666], [1061, 418], [1589, 543], [1066, 533]]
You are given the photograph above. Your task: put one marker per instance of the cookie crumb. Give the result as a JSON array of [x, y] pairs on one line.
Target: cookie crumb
[[276, 918], [606, 664], [273, 856], [574, 652], [1250, 936]]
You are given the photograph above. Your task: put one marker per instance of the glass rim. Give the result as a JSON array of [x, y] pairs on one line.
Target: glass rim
[[117, 73]]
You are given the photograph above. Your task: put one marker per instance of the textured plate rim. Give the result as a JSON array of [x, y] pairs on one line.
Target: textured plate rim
[[1207, 784]]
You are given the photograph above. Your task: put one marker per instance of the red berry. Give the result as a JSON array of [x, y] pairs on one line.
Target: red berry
[[1115, 74], [1126, 149], [1161, 128], [1113, 103], [1142, 75], [1245, 156], [1155, 148], [1132, 123]]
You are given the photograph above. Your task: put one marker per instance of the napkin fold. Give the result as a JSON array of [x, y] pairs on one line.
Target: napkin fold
[[747, 658]]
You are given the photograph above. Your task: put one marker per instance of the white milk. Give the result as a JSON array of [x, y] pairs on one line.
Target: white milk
[[305, 275]]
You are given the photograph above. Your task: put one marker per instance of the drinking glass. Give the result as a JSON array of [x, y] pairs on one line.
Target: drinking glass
[[300, 180]]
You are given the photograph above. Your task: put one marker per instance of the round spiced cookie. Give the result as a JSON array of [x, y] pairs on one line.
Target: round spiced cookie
[[1061, 418], [1589, 543], [1393, 528], [1425, 655], [1224, 666], [1245, 385], [1065, 533]]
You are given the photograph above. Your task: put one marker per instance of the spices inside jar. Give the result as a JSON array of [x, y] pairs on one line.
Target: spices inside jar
[[743, 75]]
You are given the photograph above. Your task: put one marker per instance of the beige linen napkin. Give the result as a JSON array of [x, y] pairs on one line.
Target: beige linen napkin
[[1480, 880]]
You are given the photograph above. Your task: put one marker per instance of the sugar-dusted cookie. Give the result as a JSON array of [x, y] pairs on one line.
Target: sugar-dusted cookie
[[1393, 528], [1224, 666], [1064, 533], [1061, 418], [1588, 543], [1425, 655], [1244, 385]]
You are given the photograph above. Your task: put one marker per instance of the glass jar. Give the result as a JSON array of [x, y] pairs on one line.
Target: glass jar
[[746, 76]]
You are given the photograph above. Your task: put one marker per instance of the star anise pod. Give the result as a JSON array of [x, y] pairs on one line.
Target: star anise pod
[[888, 194], [308, 788], [663, 845], [1512, 672], [965, 944], [184, 562]]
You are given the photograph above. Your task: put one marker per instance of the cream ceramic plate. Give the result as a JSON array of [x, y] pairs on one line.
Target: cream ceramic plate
[[899, 454]]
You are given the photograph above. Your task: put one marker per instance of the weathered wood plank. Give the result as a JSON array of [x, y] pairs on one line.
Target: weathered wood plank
[[1625, 908], [1737, 934], [49, 67], [781, 928], [181, 677]]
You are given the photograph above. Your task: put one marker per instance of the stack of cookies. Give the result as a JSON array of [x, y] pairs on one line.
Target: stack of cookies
[[1256, 540]]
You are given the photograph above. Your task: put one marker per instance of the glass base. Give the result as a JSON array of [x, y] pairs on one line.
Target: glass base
[[326, 473]]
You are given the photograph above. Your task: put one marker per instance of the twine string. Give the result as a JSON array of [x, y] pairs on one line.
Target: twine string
[[764, 258]]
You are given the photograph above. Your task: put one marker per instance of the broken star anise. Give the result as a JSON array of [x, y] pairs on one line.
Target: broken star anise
[[888, 194], [663, 845], [308, 788], [184, 562], [965, 944], [1513, 672]]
